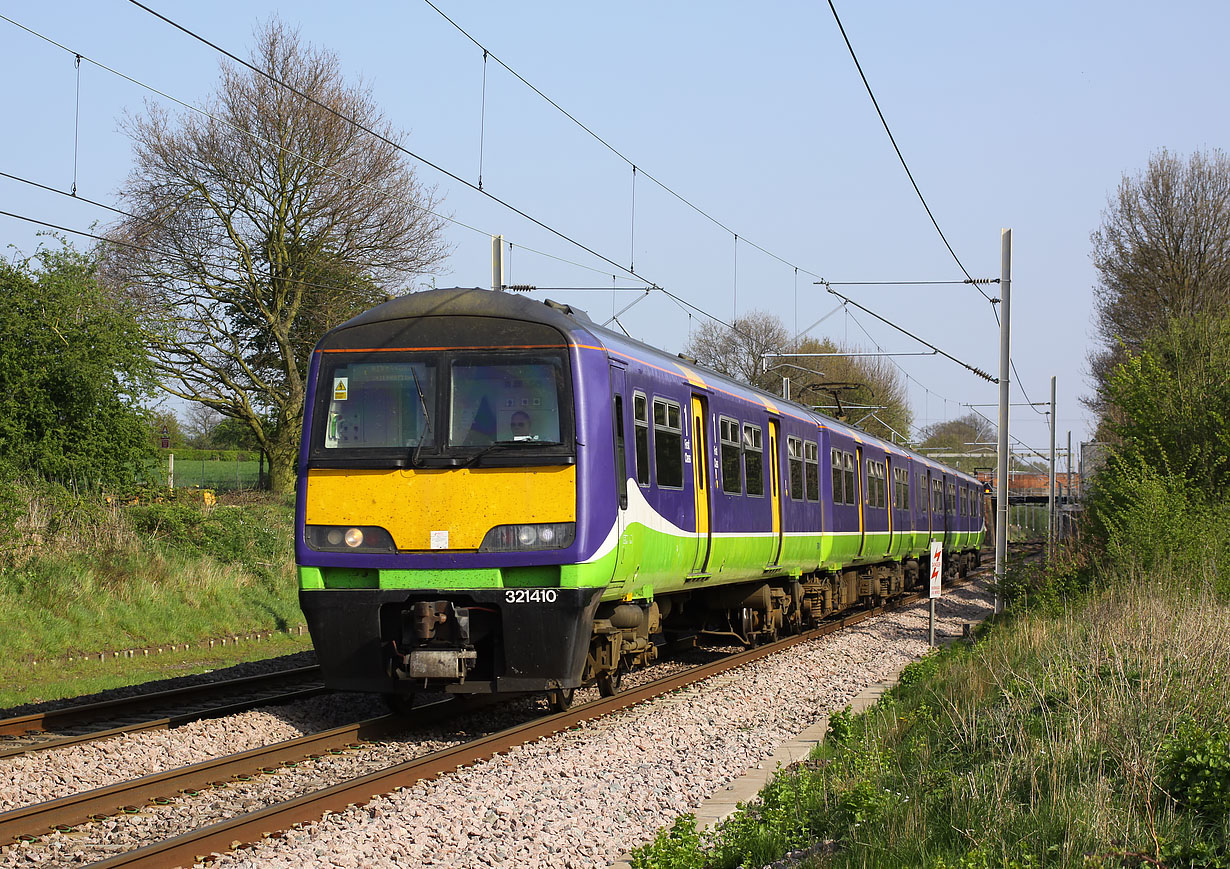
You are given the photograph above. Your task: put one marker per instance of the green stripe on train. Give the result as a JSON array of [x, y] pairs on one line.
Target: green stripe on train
[[647, 562]]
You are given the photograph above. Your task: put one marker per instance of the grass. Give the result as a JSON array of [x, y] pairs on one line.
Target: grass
[[1089, 733], [81, 576]]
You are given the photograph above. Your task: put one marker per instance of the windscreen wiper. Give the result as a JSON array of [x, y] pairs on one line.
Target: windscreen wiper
[[414, 454], [515, 444]]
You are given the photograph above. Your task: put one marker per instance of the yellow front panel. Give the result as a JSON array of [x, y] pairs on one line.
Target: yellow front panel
[[465, 503]]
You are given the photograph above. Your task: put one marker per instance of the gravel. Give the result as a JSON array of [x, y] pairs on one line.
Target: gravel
[[580, 798]]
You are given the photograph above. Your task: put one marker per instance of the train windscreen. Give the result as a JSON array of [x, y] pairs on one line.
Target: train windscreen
[[441, 407]]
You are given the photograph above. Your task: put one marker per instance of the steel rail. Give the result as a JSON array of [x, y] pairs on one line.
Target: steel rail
[[27, 822], [245, 829], [163, 723], [71, 715]]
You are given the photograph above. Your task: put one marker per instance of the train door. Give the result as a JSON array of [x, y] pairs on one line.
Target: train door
[[861, 475], [620, 408], [775, 491], [890, 480], [927, 493], [702, 483]]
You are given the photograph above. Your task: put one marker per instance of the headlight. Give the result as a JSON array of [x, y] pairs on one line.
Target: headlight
[[521, 538], [348, 538]]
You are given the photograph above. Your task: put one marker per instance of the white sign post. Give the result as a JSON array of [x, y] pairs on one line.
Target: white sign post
[[937, 570]]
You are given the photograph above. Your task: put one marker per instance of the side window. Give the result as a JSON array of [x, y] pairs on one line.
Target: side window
[[640, 418], [937, 496], [753, 460], [882, 479], [869, 484], [839, 494], [952, 498], [905, 489], [851, 483], [794, 453], [729, 436], [811, 470], [668, 443], [621, 469]]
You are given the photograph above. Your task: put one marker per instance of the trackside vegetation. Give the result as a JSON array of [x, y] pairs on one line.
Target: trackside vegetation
[[81, 576], [1087, 731]]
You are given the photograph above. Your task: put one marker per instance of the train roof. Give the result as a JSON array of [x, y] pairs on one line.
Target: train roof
[[479, 302]]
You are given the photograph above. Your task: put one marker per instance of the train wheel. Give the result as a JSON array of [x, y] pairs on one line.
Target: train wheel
[[610, 681], [560, 699]]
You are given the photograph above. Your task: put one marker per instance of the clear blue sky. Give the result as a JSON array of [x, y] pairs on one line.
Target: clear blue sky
[[1009, 115]]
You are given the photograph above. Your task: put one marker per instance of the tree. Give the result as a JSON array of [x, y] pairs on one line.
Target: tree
[[200, 424], [1171, 405], [260, 225], [166, 421], [1162, 251], [73, 372], [740, 353], [871, 383], [959, 436]]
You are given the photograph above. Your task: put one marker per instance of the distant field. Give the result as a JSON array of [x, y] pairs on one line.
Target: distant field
[[212, 474]]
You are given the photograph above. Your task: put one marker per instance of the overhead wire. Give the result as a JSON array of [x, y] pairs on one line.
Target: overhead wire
[[283, 149], [917, 190], [900, 156], [637, 169], [386, 140], [500, 201]]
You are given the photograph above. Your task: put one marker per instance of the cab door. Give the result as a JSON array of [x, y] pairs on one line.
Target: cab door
[[702, 484], [621, 410]]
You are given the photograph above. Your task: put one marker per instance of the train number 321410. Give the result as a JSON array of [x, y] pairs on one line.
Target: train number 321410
[[531, 595]]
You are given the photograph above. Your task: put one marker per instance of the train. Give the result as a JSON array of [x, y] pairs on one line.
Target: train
[[497, 495]]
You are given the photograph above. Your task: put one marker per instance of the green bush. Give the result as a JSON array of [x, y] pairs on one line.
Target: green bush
[[1195, 770], [678, 846]]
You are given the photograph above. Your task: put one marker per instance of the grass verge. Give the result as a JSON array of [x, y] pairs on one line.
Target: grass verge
[[1096, 734], [89, 577]]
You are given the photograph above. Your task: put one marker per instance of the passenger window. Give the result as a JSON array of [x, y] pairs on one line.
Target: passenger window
[[839, 495], [794, 453], [753, 460], [668, 443], [851, 484], [640, 418], [811, 470], [729, 437]]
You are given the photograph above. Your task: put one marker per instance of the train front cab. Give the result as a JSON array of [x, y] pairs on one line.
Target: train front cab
[[443, 542]]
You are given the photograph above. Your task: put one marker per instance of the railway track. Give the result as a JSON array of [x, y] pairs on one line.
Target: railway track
[[73, 725], [270, 821]]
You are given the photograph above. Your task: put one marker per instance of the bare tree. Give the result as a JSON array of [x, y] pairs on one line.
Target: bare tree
[[200, 423], [739, 352], [262, 223], [1162, 251]]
